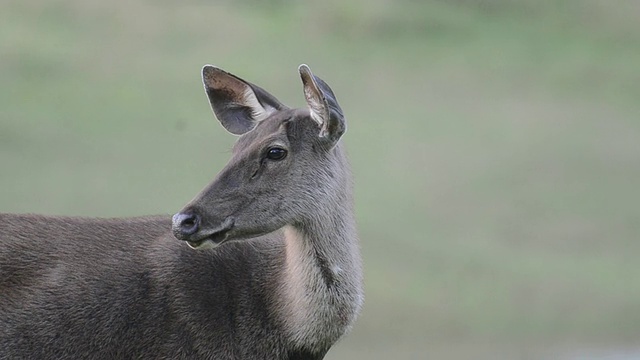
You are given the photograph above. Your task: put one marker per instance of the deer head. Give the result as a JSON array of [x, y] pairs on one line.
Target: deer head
[[283, 167]]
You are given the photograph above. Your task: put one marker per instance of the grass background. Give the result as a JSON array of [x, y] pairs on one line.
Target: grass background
[[495, 144]]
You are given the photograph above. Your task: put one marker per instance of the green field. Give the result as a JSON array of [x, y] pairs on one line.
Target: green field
[[495, 144]]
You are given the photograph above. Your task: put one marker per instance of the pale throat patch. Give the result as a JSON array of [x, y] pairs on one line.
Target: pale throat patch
[[299, 269], [306, 305]]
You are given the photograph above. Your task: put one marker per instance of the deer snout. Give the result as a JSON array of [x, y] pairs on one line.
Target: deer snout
[[185, 225]]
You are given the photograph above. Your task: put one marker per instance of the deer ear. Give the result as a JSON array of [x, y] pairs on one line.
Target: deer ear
[[238, 104], [323, 106]]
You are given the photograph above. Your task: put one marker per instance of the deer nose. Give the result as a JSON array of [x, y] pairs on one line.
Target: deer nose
[[185, 225]]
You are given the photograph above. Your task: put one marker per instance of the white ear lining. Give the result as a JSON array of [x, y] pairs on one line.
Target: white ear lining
[[317, 108], [316, 117], [259, 112]]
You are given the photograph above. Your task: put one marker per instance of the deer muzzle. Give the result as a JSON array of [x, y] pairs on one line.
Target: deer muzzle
[[188, 227]]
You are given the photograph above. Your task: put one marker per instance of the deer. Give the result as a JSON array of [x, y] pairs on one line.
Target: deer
[[263, 263]]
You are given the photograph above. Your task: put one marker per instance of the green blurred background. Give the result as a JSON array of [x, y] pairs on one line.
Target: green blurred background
[[495, 145]]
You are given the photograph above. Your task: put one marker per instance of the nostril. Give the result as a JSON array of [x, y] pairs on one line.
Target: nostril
[[187, 224]]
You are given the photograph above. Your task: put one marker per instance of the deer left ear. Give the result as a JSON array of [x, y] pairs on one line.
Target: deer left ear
[[238, 104], [323, 106]]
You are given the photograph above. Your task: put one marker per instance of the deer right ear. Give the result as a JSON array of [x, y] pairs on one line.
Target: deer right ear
[[238, 104], [323, 106]]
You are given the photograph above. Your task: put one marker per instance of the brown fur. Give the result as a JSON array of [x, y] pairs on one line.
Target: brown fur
[[283, 282]]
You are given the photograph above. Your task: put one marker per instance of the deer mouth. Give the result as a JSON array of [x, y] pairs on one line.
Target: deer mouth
[[212, 238], [209, 242]]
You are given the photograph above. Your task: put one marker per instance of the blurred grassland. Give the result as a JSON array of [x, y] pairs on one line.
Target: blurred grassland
[[495, 145]]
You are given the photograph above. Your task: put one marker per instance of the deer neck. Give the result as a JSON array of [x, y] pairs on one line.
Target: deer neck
[[321, 291]]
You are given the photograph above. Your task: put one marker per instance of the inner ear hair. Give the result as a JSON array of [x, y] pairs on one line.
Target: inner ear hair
[[236, 103]]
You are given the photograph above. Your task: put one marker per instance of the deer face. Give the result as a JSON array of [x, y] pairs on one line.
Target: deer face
[[277, 173]]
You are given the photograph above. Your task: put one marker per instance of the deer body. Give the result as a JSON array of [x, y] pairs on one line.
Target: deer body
[[283, 280]]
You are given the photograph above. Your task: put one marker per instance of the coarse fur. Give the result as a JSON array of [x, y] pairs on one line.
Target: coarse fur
[[275, 273]]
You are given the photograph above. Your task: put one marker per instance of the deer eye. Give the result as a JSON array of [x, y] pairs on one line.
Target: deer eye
[[276, 153]]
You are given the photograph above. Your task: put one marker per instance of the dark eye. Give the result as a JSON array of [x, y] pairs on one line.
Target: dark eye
[[276, 153]]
